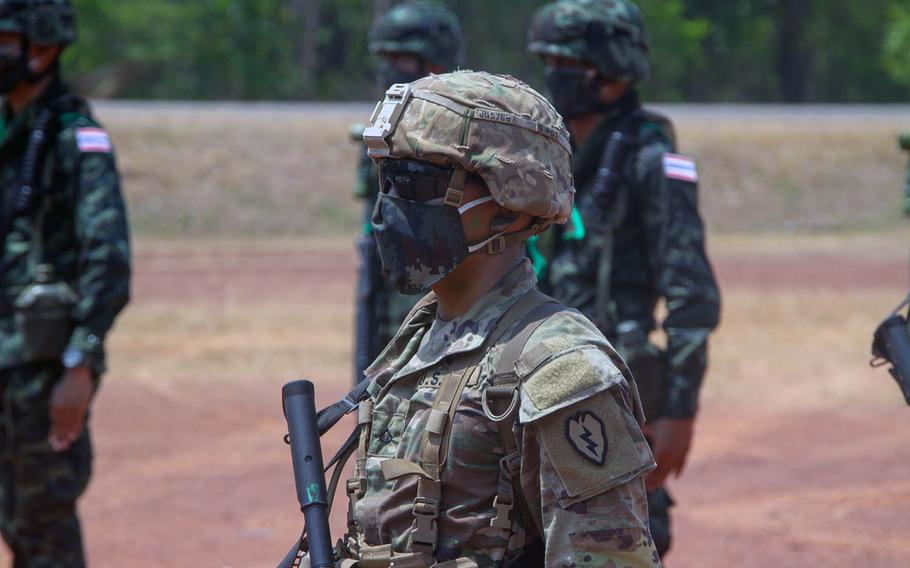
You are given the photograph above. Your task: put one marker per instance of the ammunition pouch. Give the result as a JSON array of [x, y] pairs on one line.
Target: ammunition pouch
[[43, 315], [648, 364]]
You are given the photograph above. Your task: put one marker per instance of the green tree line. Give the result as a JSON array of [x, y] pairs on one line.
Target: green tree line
[[702, 50]]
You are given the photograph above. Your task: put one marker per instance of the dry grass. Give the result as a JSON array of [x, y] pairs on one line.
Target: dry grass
[[818, 167], [240, 171], [807, 350], [235, 172], [167, 344]]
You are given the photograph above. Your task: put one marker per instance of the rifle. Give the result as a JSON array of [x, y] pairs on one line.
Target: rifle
[[610, 204], [23, 197], [299, 402], [305, 427], [365, 322], [891, 345]]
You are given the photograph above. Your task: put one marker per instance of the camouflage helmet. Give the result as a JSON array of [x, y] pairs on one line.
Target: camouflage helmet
[[493, 126], [424, 28], [48, 22], [610, 34]]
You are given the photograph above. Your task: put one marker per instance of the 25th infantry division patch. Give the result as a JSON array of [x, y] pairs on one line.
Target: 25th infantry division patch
[[588, 435]]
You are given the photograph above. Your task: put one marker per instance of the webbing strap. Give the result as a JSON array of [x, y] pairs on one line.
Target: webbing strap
[[511, 352], [435, 443], [507, 383], [329, 416], [558, 135]]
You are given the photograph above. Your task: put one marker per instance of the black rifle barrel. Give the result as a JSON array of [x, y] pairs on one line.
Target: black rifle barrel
[[299, 401], [897, 340], [366, 317]]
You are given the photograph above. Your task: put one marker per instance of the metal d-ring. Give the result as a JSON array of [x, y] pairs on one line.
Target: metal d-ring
[[499, 392]]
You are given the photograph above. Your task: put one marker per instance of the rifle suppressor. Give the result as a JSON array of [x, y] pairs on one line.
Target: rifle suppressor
[[299, 403]]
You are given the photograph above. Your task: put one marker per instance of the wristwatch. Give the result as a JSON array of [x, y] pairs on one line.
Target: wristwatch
[[74, 357]]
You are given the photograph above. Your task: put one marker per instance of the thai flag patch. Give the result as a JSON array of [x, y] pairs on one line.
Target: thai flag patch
[[680, 167], [93, 140]]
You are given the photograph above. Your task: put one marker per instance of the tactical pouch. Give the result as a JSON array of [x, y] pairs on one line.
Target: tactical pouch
[[43, 313], [648, 364]]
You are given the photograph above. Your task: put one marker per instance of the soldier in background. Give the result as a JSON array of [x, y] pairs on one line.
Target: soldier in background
[[635, 236], [411, 41], [64, 277], [903, 141]]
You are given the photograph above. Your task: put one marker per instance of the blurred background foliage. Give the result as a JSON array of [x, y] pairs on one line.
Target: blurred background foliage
[[702, 50]]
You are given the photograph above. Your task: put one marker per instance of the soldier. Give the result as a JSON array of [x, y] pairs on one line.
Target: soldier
[[64, 277], [903, 142], [411, 41], [635, 236], [500, 428]]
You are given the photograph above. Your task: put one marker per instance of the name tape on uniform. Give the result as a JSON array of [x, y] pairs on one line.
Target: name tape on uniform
[[93, 140], [680, 167]]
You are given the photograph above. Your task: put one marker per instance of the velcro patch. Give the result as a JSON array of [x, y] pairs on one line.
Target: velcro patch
[[93, 140], [680, 167], [592, 447]]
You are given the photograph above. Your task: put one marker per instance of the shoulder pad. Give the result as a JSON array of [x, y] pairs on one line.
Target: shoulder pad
[[657, 128], [565, 361]]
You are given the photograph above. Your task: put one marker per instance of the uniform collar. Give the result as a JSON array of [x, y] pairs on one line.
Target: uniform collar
[[425, 339]]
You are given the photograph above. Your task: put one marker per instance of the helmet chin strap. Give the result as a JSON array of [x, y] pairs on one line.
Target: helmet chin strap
[[495, 244]]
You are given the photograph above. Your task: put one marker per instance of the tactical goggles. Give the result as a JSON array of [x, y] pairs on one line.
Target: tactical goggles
[[414, 181]]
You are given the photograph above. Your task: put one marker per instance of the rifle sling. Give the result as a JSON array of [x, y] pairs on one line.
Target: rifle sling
[[611, 199]]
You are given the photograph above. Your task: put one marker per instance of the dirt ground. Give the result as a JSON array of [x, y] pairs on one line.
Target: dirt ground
[[801, 457]]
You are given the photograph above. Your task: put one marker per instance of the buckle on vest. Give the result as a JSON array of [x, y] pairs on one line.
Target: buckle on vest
[[356, 487], [426, 511], [503, 512], [454, 197], [496, 246], [510, 465]]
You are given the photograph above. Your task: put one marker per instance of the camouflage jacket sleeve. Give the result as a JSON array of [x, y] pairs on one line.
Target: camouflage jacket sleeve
[[682, 271], [589, 459], [103, 267]]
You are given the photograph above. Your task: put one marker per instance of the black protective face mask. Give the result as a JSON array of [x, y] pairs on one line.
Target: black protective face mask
[[420, 238], [388, 74], [574, 91], [419, 243]]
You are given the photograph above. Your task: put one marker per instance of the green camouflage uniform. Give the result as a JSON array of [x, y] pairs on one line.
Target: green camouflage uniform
[[903, 143], [85, 239], [658, 245], [443, 473], [430, 31]]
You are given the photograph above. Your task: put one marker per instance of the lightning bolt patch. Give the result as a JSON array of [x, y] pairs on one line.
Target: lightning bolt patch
[[587, 434]]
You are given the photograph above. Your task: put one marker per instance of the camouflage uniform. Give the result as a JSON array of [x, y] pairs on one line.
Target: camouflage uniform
[[510, 434], [84, 233], [430, 31], [903, 143], [656, 249]]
